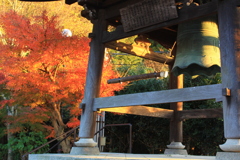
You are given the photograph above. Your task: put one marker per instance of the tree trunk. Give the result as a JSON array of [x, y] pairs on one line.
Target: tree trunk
[[59, 126], [9, 136], [66, 145], [11, 112]]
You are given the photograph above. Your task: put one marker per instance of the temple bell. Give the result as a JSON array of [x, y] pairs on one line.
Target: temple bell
[[198, 50]]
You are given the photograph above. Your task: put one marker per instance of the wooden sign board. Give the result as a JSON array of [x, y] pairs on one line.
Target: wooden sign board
[[146, 13]]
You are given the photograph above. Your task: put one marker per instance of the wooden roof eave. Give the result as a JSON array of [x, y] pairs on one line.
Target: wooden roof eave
[[95, 3], [184, 14]]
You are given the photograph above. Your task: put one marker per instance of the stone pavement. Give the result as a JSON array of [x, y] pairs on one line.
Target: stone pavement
[[117, 156]]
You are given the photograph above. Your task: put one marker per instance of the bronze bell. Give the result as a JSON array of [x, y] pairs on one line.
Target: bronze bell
[[198, 50]]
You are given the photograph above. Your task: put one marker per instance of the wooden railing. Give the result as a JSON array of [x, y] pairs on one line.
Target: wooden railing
[[68, 133]]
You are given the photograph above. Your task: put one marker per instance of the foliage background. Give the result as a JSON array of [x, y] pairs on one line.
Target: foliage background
[[42, 74], [151, 135]]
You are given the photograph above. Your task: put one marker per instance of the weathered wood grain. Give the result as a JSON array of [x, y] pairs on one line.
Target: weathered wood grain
[[200, 113], [147, 12], [94, 72], [139, 51], [114, 11], [176, 125], [229, 31], [142, 110], [184, 14], [164, 36], [168, 113], [158, 97]]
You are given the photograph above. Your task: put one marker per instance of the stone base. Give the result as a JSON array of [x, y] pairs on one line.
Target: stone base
[[228, 156], [117, 156], [84, 151], [231, 145], [85, 142], [176, 151], [176, 145]]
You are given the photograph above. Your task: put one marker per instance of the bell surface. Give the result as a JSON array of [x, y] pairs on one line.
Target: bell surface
[[198, 50]]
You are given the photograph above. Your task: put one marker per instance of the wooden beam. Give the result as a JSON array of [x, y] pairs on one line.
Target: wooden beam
[[184, 14], [110, 3], [167, 113], [70, 1], [95, 3], [176, 125], [147, 13], [200, 113], [164, 36], [159, 97], [229, 34], [141, 110], [139, 51], [94, 74], [114, 10]]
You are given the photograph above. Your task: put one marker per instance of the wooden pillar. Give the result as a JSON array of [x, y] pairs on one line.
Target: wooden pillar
[[176, 126], [229, 31], [176, 131], [94, 73]]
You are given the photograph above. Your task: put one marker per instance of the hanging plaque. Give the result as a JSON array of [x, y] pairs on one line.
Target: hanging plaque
[[146, 13]]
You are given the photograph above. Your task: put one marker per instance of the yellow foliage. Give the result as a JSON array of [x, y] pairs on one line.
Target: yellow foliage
[[69, 15]]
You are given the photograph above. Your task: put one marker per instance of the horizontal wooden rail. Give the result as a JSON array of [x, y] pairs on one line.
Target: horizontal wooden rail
[[167, 113], [159, 97], [142, 110], [200, 113]]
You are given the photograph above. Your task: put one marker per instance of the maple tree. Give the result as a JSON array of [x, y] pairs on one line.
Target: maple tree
[[45, 71], [68, 15]]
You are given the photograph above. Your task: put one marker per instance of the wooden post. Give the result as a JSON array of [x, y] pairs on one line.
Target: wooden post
[[175, 123], [229, 30], [95, 64], [176, 132], [94, 74], [176, 129]]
